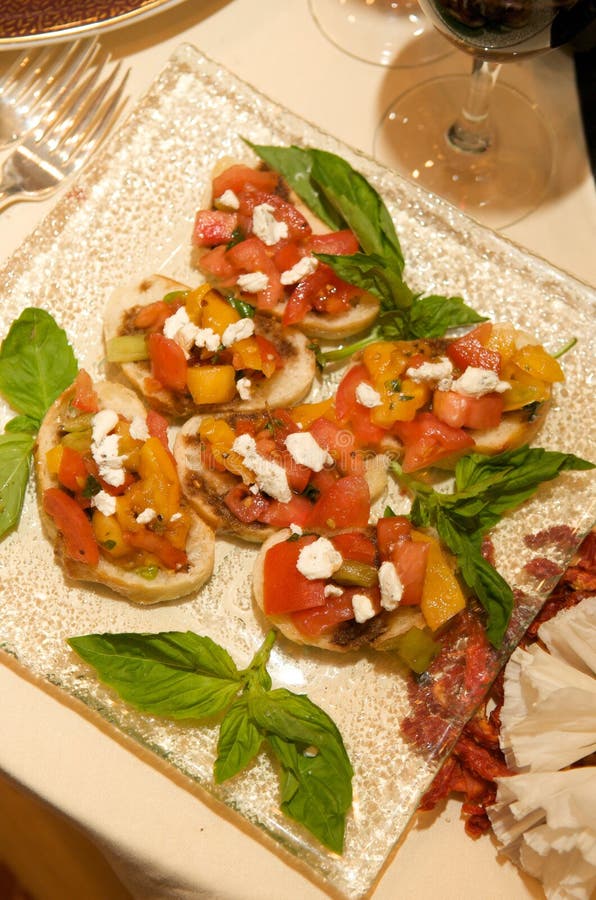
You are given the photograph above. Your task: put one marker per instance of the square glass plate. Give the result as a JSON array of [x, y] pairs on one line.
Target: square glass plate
[[131, 214]]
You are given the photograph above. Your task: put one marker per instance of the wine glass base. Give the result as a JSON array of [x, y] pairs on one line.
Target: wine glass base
[[498, 186], [393, 33]]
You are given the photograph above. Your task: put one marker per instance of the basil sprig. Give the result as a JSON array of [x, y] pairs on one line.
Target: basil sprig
[[342, 198], [36, 365], [486, 487], [183, 675]]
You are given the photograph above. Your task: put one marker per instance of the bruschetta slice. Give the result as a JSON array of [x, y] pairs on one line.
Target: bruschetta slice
[[250, 475], [187, 350], [256, 237], [430, 401], [110, 497], [355, 589]]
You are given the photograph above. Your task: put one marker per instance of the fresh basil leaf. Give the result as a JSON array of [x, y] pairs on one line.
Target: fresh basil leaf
[[239, 741], [16, 449], [434, 315], [22, 424], [360, 205], [36, 363], [177, 674], [245, 310], [295, 164], [316, 781]]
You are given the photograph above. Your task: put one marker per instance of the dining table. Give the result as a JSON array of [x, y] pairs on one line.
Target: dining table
[[85, 812]]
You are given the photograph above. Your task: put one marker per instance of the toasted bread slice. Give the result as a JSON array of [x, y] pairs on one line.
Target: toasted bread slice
[[166, 585], [286, 386], [379, 633], [205, 487]]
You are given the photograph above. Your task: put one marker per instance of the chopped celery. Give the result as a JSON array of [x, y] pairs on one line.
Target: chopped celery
[[127, 348], [353, 573], [416, 649], [148, 572]]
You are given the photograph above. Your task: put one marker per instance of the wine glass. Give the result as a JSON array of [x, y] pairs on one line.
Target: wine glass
[[481, 144], [391, 33]]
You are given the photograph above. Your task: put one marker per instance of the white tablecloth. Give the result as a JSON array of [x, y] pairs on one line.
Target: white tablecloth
[[62, 770]]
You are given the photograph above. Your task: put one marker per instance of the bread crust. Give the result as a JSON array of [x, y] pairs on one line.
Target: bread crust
[[286, 386], [166, 585], [205, 488], [378, 633]]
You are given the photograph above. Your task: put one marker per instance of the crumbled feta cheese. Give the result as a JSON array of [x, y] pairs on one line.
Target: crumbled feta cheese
[[269, 475], [148, 515], [363, 608], [319, 559], [367, 396], [439, 373], [252, 282], [138, 428], [332, 590], [238, 331], [295, 529], [243, 386], [228, 200], [174, 323], [104, 502], [305, 450], [254, 489], [390, 585], [175, 517], [208, 339], [477, 382], [305, 266], [104, 447], [266, 227], [185, 337]]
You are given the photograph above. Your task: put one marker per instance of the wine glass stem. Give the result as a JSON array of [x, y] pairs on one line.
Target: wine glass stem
[[471, 131]]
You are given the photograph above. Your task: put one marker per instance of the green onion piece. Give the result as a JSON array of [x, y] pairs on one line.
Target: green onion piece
[[77, 422], [353, 573], [565, 349], [127, 348], [172, 296], [77, 440], [416, 649], [148, 572]]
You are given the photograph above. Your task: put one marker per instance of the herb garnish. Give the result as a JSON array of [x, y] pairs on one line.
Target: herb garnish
[[343, 198], [486, 487], [36, 365], [183, 675]]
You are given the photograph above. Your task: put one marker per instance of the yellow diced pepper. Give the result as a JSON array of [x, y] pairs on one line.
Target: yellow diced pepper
[[525, 388], [246, 354], [211, 384], [54, 458], [305, 413], [442, 596], [535, 361], [194, 302], [217, 313], [108, 534], [399, 405]]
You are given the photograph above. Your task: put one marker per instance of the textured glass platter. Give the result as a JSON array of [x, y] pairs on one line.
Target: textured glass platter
[[131, 214]]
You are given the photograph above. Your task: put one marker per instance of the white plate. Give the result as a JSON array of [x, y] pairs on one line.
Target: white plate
[[131, 214]]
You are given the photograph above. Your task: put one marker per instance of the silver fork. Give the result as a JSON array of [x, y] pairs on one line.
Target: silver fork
[[64, 139], [35, 83]]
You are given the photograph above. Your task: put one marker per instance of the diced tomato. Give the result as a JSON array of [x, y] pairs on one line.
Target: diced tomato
[[213, 226], [285, 588], [271, 360], [391, 531], [349, 410], [338, 243], [247, 507], [249, 197], [152, 317], [236, 177], [85, 397], [468, 412], [355, 545], [168, 363], [322, 291], [322, 481], [72, 473], [157, 426], [345, 505], [288, 254], [74, 526], [314, 622], [216, 266], [427, 440], [409, 559], [169, 556], [295, 512], [341, 444], [298, 475], [469, 350], [251, 256]]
